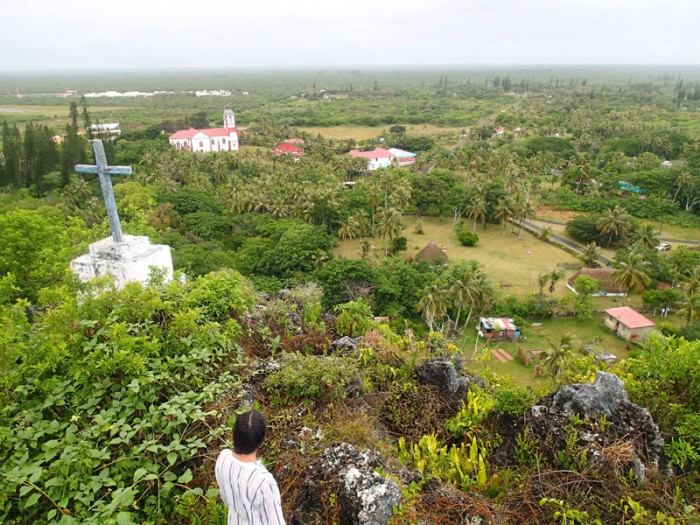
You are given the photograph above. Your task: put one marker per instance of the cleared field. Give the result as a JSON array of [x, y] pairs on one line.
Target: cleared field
[[53, 116], [368, 132], [513, 263]]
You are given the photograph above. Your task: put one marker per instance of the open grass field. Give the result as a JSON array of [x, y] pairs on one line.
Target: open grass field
[[369, 132], [513, 263], [53, 116]]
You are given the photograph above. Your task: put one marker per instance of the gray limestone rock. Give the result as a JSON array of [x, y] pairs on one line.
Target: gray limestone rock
[[443, 374], [345, 344], [364, 495]]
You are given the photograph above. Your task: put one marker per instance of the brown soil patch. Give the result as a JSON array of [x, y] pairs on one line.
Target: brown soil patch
[[544, 212]]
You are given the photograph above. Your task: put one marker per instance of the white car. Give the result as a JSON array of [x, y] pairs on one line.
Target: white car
[[663, 247]]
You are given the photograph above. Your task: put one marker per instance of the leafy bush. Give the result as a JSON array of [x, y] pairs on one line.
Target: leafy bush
[[313, 380], [467, 238], [106, 410]]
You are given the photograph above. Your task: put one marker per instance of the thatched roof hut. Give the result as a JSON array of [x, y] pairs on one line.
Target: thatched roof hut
[[432, 253]]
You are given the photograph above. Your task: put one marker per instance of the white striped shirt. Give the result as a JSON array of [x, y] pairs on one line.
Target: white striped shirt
[[249, 491]]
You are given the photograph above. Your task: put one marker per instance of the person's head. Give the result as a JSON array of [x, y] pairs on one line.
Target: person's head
[[248, 432]]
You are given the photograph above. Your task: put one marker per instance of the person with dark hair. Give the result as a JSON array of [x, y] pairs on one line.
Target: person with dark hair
[[245, 485]]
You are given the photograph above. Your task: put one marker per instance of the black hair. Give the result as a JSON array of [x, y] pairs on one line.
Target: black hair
[[248, 432]]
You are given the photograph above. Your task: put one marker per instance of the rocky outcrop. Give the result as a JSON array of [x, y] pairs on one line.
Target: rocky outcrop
[[345, 345], [629, 441], [364, 496], [446, 376]]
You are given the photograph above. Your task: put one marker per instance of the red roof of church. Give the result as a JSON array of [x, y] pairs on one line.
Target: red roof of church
[[629, 317], [184, 134], [212, 132], [288, 148], [377, 153]]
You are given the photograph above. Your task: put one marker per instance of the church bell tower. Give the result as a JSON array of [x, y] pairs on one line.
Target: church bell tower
[[229, 119]]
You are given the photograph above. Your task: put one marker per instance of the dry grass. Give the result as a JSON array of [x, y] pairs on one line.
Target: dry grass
[[511, 262], [368, 132]]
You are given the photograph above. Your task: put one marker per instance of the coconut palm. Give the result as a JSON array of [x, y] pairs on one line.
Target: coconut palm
[[433, 303], [646, 235], [477, 209], [349, 229], [590, 254], [614, 223], [690, 308], [527, 211], [388, 225], [554, 276], [631, 272], [504, 211], [554, 360], [690, 280]]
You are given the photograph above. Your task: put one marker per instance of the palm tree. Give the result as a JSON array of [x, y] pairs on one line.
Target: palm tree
[[349, 229], [690, 280], [528, 211], [555, 276], [504, 211], [554, 360], [646, 235], [590, 254], [690, 308], [389, 225], [433, 304], [631, 272], [615, 223], [477, 209]]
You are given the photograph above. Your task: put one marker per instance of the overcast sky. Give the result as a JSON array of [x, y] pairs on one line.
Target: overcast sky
[[108, 34]]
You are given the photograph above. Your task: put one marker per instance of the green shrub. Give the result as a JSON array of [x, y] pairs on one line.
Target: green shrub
[[467, 238], [313, 380]]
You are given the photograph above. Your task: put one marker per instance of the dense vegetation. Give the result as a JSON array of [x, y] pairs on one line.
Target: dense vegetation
[[115, 402]]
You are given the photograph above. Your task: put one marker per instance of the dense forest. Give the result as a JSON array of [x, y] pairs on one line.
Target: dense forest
[[301, 290]]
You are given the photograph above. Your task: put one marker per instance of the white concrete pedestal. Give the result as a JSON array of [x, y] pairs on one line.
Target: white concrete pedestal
[[127, 261]]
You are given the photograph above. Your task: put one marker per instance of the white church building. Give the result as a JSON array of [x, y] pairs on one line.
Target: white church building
[[215, 139]]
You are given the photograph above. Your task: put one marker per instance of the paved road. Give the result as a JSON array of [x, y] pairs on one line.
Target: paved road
[[564, 241], [664, 239]]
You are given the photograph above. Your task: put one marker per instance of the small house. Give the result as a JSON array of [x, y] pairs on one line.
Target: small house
[[605, 279], [288, 149], [629, 324], [377, 158], [432, 253], [294, 140], [403, 158], [500, 328]]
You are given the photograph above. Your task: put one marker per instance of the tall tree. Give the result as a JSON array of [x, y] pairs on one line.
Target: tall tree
[[615, 223], [631, 272]]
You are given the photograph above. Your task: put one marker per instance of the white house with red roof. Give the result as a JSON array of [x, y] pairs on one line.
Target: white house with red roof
[[628, 323], [206, 140], [382, 158], [288, 149]]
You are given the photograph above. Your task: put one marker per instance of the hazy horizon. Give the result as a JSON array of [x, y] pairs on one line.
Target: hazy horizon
[[77, 35]]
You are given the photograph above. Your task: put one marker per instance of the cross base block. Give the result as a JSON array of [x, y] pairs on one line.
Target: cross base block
[[127, 261]]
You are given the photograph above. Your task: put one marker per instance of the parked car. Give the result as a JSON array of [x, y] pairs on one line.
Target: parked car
[[663, 247]]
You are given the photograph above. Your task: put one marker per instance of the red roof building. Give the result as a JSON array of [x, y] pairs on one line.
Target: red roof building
[[628, 323], [288, 149]]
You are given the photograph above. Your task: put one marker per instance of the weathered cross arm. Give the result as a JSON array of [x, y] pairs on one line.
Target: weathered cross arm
[[104, 171]]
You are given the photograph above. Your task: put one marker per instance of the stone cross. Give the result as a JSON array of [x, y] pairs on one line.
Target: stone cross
[[104, 172]]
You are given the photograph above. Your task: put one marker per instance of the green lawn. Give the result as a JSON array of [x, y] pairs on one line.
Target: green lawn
[[537, 337], [513, 263]]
